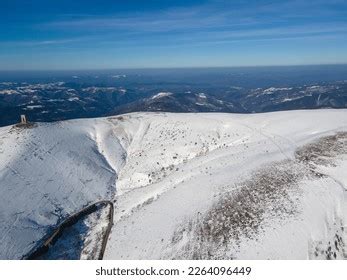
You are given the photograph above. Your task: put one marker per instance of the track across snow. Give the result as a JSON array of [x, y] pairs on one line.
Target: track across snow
[[84, 235], [183, 183]]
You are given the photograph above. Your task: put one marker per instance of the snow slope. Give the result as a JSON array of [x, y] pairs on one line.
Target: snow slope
[[184, 185], [49, 172]]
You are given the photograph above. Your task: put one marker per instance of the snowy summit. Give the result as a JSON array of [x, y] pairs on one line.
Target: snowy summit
[[184, 186]]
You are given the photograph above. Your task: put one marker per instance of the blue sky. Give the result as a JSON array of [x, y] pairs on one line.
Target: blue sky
[[99, 34]]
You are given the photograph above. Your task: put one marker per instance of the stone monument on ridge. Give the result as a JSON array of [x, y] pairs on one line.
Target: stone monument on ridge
[[23, 119]]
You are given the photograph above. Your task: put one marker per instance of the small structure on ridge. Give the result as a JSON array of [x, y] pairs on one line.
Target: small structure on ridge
[[23, 119]]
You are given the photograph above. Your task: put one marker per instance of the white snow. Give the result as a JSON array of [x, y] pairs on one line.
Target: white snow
[[202, 95], [273, 89], [291, 99], [165, 172], [161, 94], [119, 76], [32, 107], [8, 91], [49, 171]]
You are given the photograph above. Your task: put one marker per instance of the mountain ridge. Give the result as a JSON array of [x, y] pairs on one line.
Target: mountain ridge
[[166, 173]]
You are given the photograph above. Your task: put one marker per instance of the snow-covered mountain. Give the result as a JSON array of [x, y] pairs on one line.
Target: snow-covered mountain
[[211, 186]]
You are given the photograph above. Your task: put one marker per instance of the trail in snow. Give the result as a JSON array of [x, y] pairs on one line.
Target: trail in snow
[[154, 211], [268, 198], [46, 174], [167, 172]]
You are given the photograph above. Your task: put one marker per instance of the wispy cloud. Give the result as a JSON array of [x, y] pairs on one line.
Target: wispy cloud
[[219, 20], [220, 23], [217, 14], [206, 36], [37, 43], [157, 22]]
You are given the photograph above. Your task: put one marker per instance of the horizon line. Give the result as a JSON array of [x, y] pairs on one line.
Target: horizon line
[[173, 67]]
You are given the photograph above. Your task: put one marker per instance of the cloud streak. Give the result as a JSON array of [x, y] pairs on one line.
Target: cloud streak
[[217, 26], [218, 14], [218, 20]]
